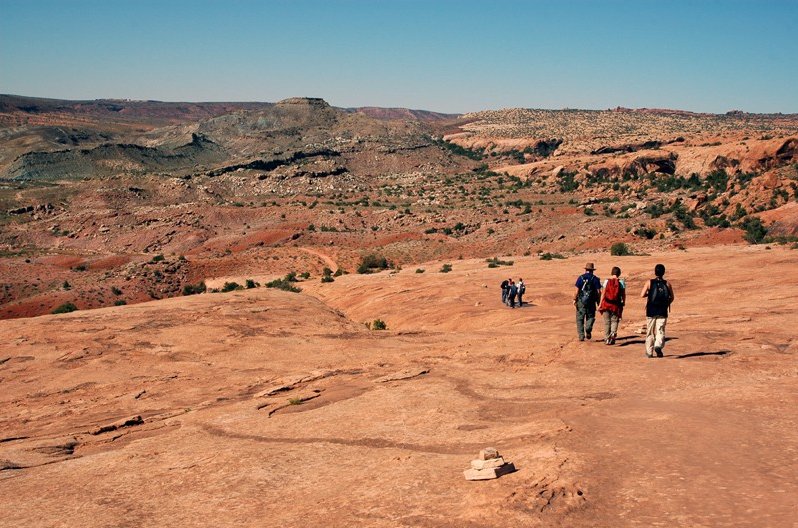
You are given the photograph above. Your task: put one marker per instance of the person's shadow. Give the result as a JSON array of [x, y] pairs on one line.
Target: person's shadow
[[720, 353], [635, 340]]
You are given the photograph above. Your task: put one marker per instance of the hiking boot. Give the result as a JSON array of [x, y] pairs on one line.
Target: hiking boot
[[658, 351], [649, 355], [581, 338], [588, 336]]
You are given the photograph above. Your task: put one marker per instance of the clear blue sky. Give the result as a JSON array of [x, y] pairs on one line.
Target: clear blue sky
[[449, 56]]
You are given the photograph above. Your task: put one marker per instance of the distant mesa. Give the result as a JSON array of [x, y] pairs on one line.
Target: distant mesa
[[305, 101]]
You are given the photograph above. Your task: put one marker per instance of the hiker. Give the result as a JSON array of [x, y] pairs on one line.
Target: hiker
[[513, 292], [505, 290], [588, 290], [613, 299], [659, 296], [521, 292]]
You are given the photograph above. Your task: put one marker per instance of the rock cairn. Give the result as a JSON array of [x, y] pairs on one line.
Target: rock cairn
[[489, 465]]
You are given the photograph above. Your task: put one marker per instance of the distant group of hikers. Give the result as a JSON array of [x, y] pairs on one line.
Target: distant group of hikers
[[609, 298], [512, 291]]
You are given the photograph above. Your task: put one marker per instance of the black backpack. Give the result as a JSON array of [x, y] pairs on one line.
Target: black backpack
[[658, 294], [588, 293]]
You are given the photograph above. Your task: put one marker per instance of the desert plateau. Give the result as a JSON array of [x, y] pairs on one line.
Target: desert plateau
[[289, 314]]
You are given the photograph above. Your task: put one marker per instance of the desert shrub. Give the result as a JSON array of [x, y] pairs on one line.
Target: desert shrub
[[304, 275], [249, 284], [66, 285], [739, 212], [65, 308], [284, 284], [495, 262], [312, 227], [567, 182], [327, 278], [717, 180], [115, 290], [681, 214], [231, 286], [551, 256], [192, 289], [446, 268], [646, 232], [655, 210], [420, 270], [339, 272], [460, 151], [157, 258], [120, 302], [589, 211], [378, 324], [755, 230], [619, 249], [372, 262], [80, 267]]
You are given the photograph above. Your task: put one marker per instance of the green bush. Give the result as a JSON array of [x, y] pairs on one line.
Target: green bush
[[157, 258], [378, 324], [372, 262], [66, 285], [283, 284], [65, 308], [646, 232], [231, 286], [495, 262], [420, 270], [619, 249], [550, 256], [120, 302], [115, 290], [249, 284], [446, 268], [327, 278], [192, 289], [755, 230]]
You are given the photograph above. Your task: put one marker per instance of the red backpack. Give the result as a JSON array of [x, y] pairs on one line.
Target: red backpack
[[612, 292]]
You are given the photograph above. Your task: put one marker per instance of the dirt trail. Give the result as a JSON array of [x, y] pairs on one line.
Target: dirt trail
[[328, 261], [162, 411]]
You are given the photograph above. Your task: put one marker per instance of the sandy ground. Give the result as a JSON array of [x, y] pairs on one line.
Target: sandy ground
[[264, 407]]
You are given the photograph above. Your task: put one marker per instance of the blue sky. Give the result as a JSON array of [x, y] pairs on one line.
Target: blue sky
[[449, 56]]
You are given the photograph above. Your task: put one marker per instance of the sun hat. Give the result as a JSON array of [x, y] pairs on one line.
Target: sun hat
[[590, 267]]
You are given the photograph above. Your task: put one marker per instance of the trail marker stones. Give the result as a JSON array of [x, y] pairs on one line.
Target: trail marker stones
[[489, 465]]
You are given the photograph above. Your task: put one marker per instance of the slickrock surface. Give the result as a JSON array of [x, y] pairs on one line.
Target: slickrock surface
[[194, 411]]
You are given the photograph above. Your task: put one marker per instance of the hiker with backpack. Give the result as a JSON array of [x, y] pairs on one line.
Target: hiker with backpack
[[521, 292], [513, 291], [613, 299], [588, 291], [659, 296], [505, 290]]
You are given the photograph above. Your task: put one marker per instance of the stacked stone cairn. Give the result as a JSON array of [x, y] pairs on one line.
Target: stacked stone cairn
[[489, 465]]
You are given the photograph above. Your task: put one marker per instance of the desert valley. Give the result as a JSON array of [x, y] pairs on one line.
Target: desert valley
[[234, 314]]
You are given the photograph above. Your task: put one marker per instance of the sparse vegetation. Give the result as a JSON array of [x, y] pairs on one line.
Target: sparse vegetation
[[755, 230], [495, 262], [65, 308], [620, 249], [231, 286], [378, 324], [551, 256], [285, 284], [446, 268], [373, 262], [193, 289]]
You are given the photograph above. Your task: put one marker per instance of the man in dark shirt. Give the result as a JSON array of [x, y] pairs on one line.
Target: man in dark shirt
[[659, 295], [586, 297]]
